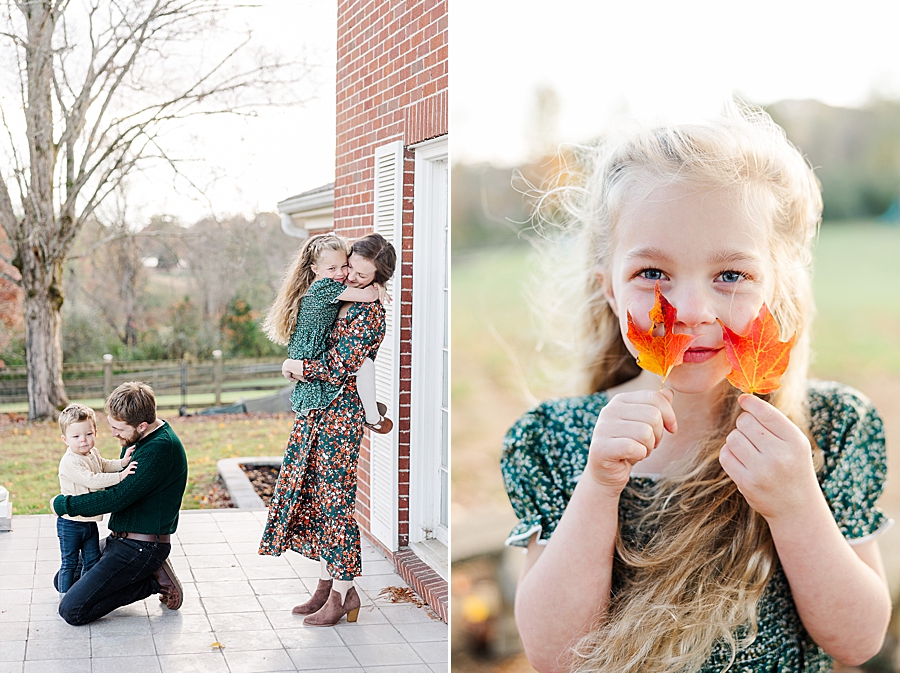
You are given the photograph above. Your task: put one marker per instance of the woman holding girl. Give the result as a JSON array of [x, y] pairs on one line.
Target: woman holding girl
[[312, 509], [688, 527]]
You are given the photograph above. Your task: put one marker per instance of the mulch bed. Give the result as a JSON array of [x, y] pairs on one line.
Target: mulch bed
[[263, 478], [217, 496]]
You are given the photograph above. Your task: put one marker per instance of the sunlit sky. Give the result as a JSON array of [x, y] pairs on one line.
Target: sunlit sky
[[244, 165], [669, 60], [248, 165]]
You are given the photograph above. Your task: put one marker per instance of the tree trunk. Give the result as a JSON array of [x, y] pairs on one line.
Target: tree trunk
[[41, 255], [43, 343]]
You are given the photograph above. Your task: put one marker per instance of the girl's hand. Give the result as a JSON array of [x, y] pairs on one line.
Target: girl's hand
[[132, 466], [128, 453], [383, 295], [770, 460], [628, 429], [292, 370]]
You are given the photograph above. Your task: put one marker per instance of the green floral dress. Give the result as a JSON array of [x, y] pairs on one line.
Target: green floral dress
[[318, 311], [546, 451], [312, 510]]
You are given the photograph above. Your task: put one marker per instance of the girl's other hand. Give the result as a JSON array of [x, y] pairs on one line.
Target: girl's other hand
[[128, 453], [770, 460], [132, 466], [383, 295], [630, 426]]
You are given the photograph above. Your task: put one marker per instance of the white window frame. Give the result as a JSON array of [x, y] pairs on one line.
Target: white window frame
[[428, 538]]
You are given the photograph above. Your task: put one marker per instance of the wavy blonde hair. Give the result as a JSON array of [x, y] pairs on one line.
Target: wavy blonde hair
[[282, 314], [704, 557]]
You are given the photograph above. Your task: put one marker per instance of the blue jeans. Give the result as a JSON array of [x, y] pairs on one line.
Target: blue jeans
[[76, 539], [124, 575]]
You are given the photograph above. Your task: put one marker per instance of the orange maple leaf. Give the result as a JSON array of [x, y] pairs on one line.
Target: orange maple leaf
[[659, 354], [757, 358]]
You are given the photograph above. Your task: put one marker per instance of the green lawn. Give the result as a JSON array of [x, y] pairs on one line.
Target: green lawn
[[31, 451], [500, 368]]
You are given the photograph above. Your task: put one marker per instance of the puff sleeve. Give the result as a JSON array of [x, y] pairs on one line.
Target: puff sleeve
[[850, 433]]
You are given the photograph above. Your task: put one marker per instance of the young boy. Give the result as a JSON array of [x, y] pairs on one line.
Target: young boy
[[83, 470]]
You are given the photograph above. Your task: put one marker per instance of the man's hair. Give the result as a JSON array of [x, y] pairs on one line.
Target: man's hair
[[132, 403], [76, 413]]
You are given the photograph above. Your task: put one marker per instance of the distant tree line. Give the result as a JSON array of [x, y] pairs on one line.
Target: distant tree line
[[855, 153], [166, 291]]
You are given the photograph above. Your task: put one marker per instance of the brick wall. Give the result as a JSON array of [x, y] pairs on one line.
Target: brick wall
[[391, 85]]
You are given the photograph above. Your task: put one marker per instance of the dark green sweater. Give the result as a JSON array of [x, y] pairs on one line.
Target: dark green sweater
[[146, 501]]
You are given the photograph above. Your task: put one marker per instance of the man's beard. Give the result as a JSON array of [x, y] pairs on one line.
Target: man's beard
[[131, 440]]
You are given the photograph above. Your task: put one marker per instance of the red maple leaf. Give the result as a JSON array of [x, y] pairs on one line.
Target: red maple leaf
[[757, 358], [659, 354]]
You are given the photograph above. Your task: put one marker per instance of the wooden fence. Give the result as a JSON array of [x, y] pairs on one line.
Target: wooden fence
[[95, 380]]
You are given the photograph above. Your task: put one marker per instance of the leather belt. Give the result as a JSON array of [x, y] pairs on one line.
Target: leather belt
[[143, 537]]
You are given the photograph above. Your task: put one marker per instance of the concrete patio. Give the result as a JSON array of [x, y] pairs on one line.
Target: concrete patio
[[233, 598]]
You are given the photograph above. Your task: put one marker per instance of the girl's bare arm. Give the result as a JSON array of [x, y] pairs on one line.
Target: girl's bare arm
[[840, 590], [365, 294], [565, 585]]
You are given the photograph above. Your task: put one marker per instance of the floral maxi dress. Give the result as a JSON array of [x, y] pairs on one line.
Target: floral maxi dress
[[312, 509]]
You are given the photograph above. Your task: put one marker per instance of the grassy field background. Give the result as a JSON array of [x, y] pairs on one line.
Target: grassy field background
[[30, 453]]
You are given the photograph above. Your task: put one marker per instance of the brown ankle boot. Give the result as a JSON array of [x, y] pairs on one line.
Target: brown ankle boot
[[317, 601], [331, 613]]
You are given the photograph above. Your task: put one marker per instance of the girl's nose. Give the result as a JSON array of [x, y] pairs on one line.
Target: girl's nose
[[693, 307]]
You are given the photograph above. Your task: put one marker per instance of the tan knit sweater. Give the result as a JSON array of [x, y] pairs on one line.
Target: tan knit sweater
[[85, 474]]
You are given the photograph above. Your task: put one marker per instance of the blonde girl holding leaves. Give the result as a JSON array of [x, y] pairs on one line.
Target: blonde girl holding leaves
[[690, 527]]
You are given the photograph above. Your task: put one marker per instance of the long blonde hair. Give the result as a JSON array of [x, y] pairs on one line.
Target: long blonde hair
[[282, 315], [704, 556]]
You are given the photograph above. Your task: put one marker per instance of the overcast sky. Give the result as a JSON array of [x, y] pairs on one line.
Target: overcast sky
[[666, 59], [247, 165], [283, 151]]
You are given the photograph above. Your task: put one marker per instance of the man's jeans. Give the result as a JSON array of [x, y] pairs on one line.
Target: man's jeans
[[124, 575], [76, 538]]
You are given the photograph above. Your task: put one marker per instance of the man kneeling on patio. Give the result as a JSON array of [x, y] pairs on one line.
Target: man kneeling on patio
[[135, 563]]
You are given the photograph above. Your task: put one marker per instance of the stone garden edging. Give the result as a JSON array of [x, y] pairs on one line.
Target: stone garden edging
[[238, 485]]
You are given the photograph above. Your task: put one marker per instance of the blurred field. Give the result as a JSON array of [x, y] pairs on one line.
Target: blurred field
[[498, 374], [31, 451]]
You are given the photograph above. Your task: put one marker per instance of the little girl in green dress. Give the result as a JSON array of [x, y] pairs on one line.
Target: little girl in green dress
[[688, 527], [302, 316]]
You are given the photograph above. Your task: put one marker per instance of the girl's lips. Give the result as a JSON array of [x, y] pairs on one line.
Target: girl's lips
[[694, 355]]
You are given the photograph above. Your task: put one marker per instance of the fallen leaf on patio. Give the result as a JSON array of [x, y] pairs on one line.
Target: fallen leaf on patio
[[217, 645], [401, 595]]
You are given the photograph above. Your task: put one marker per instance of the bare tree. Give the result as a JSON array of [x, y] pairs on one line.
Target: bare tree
[[99, 81]]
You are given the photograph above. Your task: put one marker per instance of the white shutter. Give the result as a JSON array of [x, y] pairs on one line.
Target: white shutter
[[383, 465]]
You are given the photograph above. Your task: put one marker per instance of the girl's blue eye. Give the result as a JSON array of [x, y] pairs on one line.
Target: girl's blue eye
[[732, 276], [651, 274]]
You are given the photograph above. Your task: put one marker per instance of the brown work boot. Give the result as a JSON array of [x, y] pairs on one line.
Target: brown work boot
[[331, 613], [169, 585], [317, 601]]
